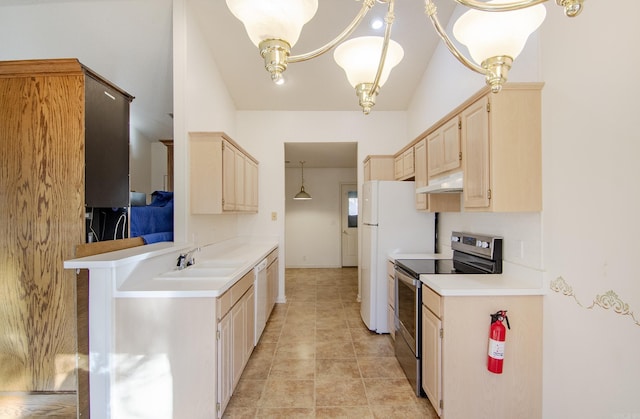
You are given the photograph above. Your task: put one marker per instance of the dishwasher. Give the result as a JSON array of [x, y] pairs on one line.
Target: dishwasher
[[260, 287]]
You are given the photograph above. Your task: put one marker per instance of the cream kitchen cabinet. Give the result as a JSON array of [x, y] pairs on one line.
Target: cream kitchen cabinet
[[444, 148], [420, 169], [404, 164], [378, 168], [455, 344], [235, 310], [224, 362], [251, 185], [449, 202], [391, 299], [272, 281], [501, 150], [223, 177]]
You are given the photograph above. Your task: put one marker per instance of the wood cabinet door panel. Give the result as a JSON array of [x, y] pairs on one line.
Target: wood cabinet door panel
[[475, 142], [225, 361], [42, 184], [451, 145], [432, 358], [228, 177], [435, 144], [420, 167]]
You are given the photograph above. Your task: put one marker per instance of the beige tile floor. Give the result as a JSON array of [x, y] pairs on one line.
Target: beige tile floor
[[317, 359]]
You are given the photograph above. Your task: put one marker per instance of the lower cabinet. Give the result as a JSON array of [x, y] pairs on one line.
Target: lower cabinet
[[391, 299], [455, 331], [235, 336], [432, 361], [272, 281], [225, 362]]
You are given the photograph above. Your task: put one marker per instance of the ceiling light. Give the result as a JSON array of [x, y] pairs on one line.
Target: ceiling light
[[302, 195], [494, 31], [359, 57], [494, 40]]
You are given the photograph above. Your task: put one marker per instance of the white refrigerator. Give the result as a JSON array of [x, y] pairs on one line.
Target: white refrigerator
[[390, 224]]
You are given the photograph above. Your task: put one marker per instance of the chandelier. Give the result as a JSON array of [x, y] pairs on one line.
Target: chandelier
[[493, 31]]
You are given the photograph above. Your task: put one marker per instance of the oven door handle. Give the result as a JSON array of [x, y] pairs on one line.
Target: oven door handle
[[407, 279]]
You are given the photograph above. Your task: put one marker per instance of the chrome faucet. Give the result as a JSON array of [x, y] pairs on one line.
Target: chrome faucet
[[187, 259]]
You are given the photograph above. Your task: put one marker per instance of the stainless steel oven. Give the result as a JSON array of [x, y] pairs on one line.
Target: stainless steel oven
[[408, 342], [472, 254]]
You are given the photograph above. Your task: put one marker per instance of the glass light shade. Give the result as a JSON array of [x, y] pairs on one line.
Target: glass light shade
[[359, 57], [491, 34], [273, 19]]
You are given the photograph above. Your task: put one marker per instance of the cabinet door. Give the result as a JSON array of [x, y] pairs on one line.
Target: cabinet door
[[238, 324], [444, 148], [451, 145], [272, 286], [250, 323], [106, 134], [241, 198], [391, 321], [398, 168], [251, 185], [435, 144], [225, 355], [408, 163], [420, 166], [432, 358], [475, 143], [229, 177]]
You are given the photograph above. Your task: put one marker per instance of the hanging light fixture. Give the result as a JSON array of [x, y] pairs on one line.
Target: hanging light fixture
[[359, 57], [494, 31], [302, 195]]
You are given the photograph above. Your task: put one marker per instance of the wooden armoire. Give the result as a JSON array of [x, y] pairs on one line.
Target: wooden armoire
[[45, 117]]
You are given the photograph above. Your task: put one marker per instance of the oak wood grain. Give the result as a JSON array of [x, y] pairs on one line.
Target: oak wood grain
[[41, 222]]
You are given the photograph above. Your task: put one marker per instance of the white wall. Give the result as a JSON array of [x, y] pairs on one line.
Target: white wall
[[592, 201], [313, 228], [263, 134], [201, 103], [158, 166], [583, 239], [139, 162]]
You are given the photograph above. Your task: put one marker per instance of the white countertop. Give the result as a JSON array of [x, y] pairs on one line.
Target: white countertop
[[149, 272], [514, 279]]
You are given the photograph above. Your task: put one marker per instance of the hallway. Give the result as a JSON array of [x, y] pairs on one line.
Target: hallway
[[316, 359]]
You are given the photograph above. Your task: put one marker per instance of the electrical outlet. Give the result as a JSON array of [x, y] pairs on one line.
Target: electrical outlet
[[274, 216]]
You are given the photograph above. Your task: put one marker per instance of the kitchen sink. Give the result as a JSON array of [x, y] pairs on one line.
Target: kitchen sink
[[198, 272]]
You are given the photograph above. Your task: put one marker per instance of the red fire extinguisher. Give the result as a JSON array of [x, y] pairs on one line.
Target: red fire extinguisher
[[497, 335]]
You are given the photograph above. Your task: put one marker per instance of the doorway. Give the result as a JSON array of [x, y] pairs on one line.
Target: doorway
[[314, 227]]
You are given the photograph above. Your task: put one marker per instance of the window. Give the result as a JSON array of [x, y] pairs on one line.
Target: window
[[352, 197]]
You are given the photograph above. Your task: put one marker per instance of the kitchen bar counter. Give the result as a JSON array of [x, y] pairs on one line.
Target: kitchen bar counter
[[150, 271], [514, 280], [153, 328]]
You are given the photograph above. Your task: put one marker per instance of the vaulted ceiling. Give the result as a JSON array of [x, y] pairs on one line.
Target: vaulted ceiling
[[130, 43]]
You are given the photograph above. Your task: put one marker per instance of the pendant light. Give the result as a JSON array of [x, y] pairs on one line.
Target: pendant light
[[302, 195]]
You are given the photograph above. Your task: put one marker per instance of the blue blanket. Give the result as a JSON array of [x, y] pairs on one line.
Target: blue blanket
[[156, 217]]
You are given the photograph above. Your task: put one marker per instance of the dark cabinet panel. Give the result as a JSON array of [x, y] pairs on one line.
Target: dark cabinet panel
[[106, 144]]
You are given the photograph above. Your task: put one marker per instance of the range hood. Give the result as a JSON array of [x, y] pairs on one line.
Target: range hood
[[446, 184]]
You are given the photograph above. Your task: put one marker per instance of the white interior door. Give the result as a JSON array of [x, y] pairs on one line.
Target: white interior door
[[349, 208]]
